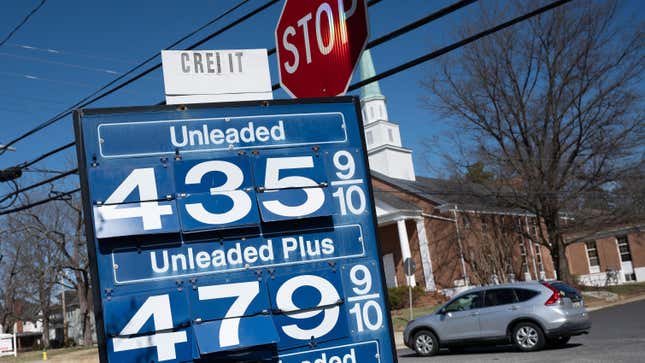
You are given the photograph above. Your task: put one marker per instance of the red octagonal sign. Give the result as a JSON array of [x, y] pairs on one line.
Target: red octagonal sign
[[319, 42]]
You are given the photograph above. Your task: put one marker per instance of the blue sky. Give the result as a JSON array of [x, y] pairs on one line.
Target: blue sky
[[77, 46]]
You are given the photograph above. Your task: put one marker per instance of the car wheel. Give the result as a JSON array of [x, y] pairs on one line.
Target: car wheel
[[426, 343], [559, 341], [528, 337]]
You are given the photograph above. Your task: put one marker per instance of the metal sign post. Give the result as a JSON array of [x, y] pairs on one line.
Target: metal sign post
[[409, 267], [233, 232]]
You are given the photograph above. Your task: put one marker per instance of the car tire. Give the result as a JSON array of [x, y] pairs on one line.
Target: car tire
[[558, 342], [425, 343], [528, 337]]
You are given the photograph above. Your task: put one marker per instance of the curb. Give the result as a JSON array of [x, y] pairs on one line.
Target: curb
[[617, 303], [398, 340]]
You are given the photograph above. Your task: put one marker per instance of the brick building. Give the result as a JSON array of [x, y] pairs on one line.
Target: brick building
[[614, 255], [454, 240]]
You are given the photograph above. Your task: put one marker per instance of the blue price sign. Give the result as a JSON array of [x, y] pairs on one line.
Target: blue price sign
[[234, 232]]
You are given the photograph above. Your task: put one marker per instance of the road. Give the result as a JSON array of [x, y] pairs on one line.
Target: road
[[617, 335]]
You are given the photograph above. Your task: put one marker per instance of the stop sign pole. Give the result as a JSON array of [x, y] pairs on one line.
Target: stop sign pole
[[319, 44]]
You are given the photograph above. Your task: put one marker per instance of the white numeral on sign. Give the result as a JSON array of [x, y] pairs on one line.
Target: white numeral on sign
[[229, 332], [347, 200], [369, 314], [315, 196], [364, 318], [150, 212], [344, 162], [159, 308], [328, 296], [364, 283], [234, 178]]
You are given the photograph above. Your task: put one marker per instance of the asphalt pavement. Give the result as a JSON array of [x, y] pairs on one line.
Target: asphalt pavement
[[617, 335]]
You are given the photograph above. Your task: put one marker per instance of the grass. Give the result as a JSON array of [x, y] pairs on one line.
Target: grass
[[624, 291], [80, 354], [628, 289], [401, 317]]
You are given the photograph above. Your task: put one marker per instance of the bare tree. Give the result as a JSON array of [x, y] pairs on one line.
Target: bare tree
[[58, 228], [552, 106], [491, 250], [12, 291]]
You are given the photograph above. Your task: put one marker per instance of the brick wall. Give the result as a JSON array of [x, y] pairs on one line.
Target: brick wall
[[637, 247], [608, 254], [577, 257], [442, 243]]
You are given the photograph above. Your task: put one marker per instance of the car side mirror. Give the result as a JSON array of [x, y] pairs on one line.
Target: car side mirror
[[442, 311]]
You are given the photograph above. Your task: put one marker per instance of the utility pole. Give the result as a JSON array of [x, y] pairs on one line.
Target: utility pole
[[64, 315]]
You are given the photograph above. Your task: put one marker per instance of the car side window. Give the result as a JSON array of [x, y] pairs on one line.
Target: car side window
[[465, 302], [525, 295], [499, 297]]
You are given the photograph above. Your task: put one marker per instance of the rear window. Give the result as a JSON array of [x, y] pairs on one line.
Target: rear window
[[499, 297], [524, 295], [566, 290]]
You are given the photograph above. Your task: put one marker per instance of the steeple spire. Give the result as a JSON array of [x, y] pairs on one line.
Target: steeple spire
[[382, 137], [367, 71]]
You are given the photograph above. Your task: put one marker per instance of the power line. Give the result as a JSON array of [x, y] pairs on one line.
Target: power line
[[53, 51], [40, 202], [421, 59], [36, 185], [55, 119], [405, 29], [64, 64], [23, 22], [48, 154], [463, 42], [410, 27], [84, 102]]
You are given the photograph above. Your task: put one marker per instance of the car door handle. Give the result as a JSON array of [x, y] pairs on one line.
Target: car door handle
[[514, 308], [476, 313]]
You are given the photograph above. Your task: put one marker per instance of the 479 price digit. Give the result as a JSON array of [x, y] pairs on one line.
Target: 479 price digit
[[365, 308]]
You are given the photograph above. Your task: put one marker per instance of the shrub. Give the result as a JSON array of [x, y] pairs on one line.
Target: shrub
[[399, 296]]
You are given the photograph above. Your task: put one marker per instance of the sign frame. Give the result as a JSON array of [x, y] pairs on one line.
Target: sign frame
[[82, 158]]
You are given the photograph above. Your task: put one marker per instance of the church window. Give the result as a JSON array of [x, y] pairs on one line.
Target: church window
[[390, 135]]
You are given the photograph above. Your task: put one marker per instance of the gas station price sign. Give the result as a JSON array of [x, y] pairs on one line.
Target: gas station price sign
[[233, 232]]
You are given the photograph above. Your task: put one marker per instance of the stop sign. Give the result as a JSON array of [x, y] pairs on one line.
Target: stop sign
[[318, 43]]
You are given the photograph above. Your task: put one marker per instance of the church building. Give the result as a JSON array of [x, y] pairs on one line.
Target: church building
[[455, 239]]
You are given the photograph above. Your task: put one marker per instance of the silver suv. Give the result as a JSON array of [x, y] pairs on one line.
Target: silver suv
[[529, 315]]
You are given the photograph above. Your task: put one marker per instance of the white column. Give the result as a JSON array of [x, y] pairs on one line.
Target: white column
[[405, 247], [425, 255]]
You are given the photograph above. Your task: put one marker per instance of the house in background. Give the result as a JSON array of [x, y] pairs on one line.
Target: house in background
[[73, 320], [609, 256], [29, 330]]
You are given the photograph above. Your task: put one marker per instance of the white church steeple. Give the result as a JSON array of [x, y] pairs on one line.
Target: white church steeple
[[384, 148]]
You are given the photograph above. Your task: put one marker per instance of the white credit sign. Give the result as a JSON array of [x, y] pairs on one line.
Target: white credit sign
[[216, 75]]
